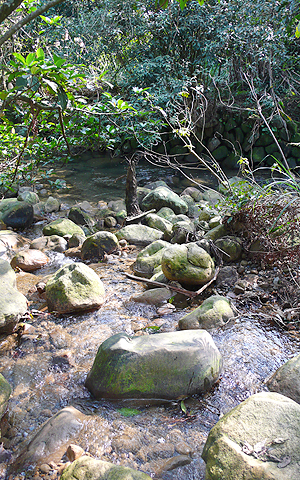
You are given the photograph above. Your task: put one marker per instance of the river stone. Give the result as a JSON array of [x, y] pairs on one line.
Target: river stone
[[13, 305], [5, 391], [164, 197], [263, 419], [154, 296], [87, 468], [74, 287], [194, 193], [167, 213], [286, 380], [207, 213], [53, 243], [52, 439], [155, 221], [180, 231], [78, 216], [139, 234], [29, 197], [62, 227], [29, 260], [216, 233], [162, 366], [214, 312], [149, 258], [188, 264], [230, 245], [52, 204], [10, 243], [96, 245], [16, 214]]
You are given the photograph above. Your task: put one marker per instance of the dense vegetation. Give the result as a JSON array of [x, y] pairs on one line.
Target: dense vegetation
[[118, 75]]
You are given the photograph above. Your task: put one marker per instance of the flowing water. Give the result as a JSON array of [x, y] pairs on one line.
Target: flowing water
[[47, 364]]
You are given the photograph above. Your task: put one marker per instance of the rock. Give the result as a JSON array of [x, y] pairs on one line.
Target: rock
[[76, 240], [167, 213], [73, 452], [29, 260], [230, 245], [10, 243], [214, 312], [89, 468], [215, 221], [286, 380], [51, 440], [164, 197], [180, 231], [62, 227], [78, 216], [53, 243], [207, 213], [96, 245], [52, 205], [216, 233], [155, 221], [258, 439], [154, 296], [13, 304], [149, 258], [16, 214], [110, 222], [5, 391], [188, 264], [29, 197], [159, 276], [74, 287], [117, 205], [194, 193], [156, 184], [160, 366], [139, 234], [227, 276]]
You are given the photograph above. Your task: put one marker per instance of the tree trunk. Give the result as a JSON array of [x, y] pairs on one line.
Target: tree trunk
[[131, 199]]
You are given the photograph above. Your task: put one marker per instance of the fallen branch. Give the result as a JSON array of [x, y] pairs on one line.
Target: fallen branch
[[198, 292], [138, 217]]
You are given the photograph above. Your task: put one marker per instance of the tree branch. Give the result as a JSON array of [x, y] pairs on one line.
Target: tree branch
[[17, 26], [7, 8]]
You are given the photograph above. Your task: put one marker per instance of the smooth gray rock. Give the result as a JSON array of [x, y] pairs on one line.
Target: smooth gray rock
[[161, 366], [139, 234], [62, 227], [154, 296], [54, 243], [30, 197], [164, 197], [95, 246], [29, 260], [155, 221], [73, 288], [13, 305], [5, 391], [286, 379], [80, 217]]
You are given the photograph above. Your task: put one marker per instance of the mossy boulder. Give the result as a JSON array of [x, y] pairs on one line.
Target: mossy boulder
[[257, 440], [139, 234], [87, 468], [216, 233], [5, 391], [73, 288], [62, 227], [167, 213], [214, 312], [95, 246], [286, 379], [161, 366], [80, 217], [16, 214], [188, 264], [164, 197], [29, 197], [232, 246], [155, 221], [149, 258], [13, 305], [180, 231]]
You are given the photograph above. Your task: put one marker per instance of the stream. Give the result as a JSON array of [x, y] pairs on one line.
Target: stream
[[47, 365]]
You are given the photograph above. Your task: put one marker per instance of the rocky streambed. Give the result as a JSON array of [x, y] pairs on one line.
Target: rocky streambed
[[174, 365]]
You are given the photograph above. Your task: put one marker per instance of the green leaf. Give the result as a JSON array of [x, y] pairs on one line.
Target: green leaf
[[30, 58], [183, 407], [21, 83], [62, 99], [40, 54], [297, 33], [128, 412], [58, 61], [20, 57], [52, 87]]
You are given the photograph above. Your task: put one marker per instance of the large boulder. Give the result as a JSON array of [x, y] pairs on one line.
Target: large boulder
[[139, 234], [62, 227], [96, 245], [258, 439], [89, 468], [51, 440], [74, 287], [5, 391], [16, 214], [13, 305], [161, 366], [214, 312], [188, 264], [164, 197], [286, 379], [29, 260], [149, 258]]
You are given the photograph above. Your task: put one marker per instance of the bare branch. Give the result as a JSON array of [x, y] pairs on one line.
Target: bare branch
[[8, 7]]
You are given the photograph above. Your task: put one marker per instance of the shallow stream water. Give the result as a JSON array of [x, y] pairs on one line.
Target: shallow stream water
[[47, 364]]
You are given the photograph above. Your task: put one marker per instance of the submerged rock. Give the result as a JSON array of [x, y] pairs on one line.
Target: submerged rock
[[258, 439], [139, 234], [96, 245], [286, 380], [164, 197], [12, 303], [62, 227], [154, 296], [5, 391], [214, 312], [74, 287], [149, 258], [161, 366], [188, 264], [16, 214], [89, 468]]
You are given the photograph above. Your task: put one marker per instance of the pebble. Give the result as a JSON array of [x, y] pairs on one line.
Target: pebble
[[45, 468], [74, 451]]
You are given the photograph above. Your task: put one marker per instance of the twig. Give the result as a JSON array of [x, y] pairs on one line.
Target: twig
[[129, 220], [160, 284], [198, 292]]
